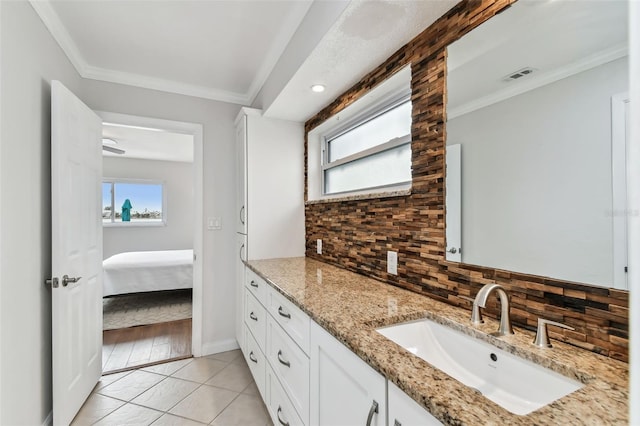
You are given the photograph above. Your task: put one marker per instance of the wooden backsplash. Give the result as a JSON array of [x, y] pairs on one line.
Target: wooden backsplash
[[357, 234]]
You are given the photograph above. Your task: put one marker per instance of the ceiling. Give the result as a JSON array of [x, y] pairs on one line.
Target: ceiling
[[228, 50], [222, 50], [147, 143], [555, 38]]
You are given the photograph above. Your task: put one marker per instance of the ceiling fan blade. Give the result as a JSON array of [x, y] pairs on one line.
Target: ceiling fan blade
[[112, 149]]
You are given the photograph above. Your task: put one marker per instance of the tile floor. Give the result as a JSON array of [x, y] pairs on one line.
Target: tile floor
[[217, 390]]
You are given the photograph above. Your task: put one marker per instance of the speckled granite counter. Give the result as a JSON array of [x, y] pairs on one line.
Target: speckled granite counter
[[351, 307]]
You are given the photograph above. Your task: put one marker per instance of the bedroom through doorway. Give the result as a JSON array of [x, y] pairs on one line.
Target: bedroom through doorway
[[149, 200]]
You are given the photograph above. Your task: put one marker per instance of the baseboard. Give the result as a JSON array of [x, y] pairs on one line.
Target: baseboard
[[49, 420], [219, 346]]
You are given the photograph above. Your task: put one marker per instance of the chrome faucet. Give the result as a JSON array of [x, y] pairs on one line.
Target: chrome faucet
[[481, 302]]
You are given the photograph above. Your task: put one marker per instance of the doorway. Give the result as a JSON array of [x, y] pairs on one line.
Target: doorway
[[158, 308]]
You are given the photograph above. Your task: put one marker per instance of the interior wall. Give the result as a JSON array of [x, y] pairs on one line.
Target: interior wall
[[357, 234], [29, 60], [177, 234], [219, 189], [545, 207]]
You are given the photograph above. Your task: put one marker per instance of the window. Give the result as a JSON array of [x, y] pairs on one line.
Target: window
[[372, 152], [145, 202]]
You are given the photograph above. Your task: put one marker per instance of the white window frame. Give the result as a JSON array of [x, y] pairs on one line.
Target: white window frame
[[385, 93], [364, 117], [114, 223]]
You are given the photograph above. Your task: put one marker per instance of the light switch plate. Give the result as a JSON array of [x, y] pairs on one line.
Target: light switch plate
[[214, 223], [319, 246], [392, 262]]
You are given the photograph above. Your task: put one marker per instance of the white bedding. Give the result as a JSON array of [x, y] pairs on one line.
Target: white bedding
[[141, 271]]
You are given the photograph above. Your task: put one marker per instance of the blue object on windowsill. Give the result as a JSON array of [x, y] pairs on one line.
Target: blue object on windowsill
[[126, 211]]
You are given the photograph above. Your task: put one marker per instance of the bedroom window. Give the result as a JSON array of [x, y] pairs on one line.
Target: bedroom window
[[127, 202]]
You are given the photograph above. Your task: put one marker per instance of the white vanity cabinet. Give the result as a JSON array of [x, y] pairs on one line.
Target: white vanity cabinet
[[344, 389], [404, 411]]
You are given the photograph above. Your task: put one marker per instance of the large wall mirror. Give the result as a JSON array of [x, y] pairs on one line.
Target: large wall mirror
[[537, 118]]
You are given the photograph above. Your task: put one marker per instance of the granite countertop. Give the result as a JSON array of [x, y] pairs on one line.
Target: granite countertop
[[351, 306]]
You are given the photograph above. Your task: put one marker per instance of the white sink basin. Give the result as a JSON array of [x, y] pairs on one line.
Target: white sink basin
[[516, 384]]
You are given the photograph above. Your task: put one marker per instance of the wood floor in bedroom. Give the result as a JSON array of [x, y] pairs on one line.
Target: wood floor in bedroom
[[132, 347]]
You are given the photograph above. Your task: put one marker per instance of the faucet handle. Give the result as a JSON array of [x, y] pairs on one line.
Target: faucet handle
[[542, 335]]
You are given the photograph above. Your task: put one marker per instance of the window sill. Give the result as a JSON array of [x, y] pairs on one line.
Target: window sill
[[365, 196], [133, 224]]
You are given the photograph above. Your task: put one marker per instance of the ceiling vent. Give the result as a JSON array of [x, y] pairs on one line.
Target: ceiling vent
[[519, 74]]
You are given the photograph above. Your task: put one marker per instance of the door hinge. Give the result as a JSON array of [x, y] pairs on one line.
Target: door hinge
[[53, 282], [194, 257], [626, 269]]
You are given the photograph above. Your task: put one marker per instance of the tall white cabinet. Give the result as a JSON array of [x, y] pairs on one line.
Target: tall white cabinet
[[269, 193]]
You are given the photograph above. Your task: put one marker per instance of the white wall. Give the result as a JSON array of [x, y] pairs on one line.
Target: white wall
[[29, 60], [536, 178], [178, 186], [219, 188]]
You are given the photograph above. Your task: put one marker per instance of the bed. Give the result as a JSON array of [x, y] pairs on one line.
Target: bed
[[140, 271]]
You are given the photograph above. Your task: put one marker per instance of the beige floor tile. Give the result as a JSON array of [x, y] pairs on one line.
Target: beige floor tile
[[251, 389], [110, 378], [96, 407], [234, 377], [245, 410], [226, 356], [131, 385], [204, 404], [166, 394], [171, 420], [168, 368], [200, 370], [130, 415]]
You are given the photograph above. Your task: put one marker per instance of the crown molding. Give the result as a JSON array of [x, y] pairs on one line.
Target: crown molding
[[543, 79], [170, 86]]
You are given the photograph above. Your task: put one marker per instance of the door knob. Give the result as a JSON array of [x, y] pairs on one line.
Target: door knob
[[67, 279], [452, 250]]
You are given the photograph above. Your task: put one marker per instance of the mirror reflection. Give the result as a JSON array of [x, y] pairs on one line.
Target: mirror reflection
[[537, 110]]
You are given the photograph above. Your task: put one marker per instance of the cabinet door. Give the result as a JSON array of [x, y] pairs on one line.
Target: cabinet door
[[241, 243], [404, 411], [344, 389], [241, 171]]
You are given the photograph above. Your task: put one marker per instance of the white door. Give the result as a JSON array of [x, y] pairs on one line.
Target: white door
[[453, 202], [76, 172]]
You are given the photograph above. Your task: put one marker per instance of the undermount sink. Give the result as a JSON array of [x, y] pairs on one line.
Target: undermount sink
[[518, 385]]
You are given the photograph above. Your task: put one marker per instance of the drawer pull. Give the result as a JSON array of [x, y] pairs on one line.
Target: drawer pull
[[254, 284], [396, 423], [282, 361], [252, 357], [373, 410], [253, 316], [282, 422], [283, 313]]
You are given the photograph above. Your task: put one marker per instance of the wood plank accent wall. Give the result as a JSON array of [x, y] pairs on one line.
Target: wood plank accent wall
[[356, 234]]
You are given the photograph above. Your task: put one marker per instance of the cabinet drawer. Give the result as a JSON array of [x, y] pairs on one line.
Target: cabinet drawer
[[256, 285], [290, 317], [279, 406], [255, 316], [290, 365], [404, 411], [255, 360]]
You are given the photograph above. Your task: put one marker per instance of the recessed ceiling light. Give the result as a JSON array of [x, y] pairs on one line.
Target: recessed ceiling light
[[318, 88]]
